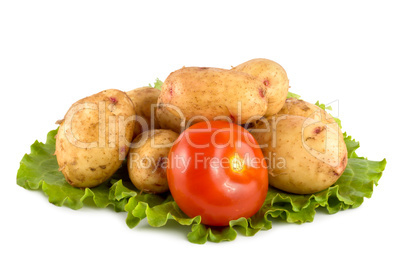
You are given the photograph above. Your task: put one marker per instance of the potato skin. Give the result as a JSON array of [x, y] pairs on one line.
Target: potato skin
[[146, 162], [88, 151], [304, 155], [143, 98], [298, 107], [207, 93], [274, 79]]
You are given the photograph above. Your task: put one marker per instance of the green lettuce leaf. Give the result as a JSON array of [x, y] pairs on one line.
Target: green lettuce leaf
[[293, 95], [157, 84], [39, 171]]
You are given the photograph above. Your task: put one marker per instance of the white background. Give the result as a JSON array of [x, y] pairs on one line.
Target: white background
[[56, 52]]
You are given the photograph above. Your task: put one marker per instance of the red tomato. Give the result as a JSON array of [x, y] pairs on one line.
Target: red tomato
[[217, 170]]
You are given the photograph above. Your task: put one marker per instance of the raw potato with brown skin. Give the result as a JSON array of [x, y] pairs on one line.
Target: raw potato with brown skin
[[202, 93], [170, 117], [147, 160], [304, 155], [94, 136], [144, 100], [274, 79], [298, 107]]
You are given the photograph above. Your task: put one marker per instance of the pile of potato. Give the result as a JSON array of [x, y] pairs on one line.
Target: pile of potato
[[100, 132]]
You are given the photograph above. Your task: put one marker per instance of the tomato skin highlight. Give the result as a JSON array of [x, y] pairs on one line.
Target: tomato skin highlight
[[217, 181]]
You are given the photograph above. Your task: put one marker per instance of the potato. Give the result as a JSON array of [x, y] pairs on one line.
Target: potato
[[94, 137], [193, 94], [144, 100], [298, 107], [303, 155], [170, 117], [274, 79], [147, 160]]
